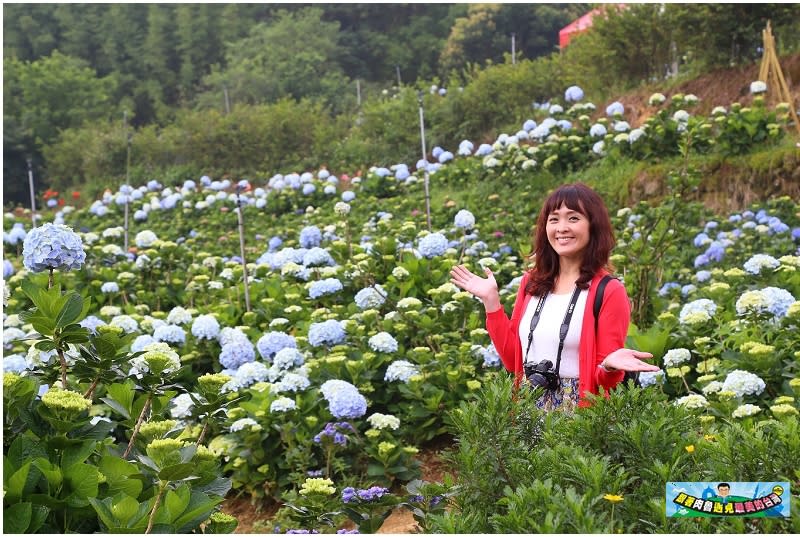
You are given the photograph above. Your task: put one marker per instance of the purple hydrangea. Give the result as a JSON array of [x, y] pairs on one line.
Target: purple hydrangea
[[351, 495], [333, 430], [235, 353], [52, 246]]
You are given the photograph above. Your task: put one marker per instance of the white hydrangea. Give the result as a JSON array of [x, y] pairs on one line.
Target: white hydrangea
[[692, 401], [676, 357], [179, 315], [743, 383], [742, 411], [383, 421]]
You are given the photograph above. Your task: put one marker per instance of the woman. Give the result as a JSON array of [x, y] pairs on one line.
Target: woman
[[550, 339]]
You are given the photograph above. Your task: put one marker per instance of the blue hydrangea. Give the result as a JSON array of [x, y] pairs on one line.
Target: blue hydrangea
[[288, 358], [12, 334], [351, 495], [310, 236], [778, 300], [702, 305], [529, 125], [598, 131], [205, 327], [383, 342], [446, 156], [109, 287], [52, 246], [715, 251], [701, 239], [464, 219], [236, 353], [483, 150], [170, 333], [344, 399], [16, 235], [402, 173], [309, 189], [333, 430], [401, 370], [490, 356], [272, 342], [465, 148], [615, 108], [328, 332], [328, 286], [275, 243], [650, 378], [573, 94], [370, 297], [703, 276], [701, 261], [432, 245], [776, 226], [91, 323], [348, 196], [14, 364], [688, 288], [246, 375], [8, 269], [317, 257], [141, 342]]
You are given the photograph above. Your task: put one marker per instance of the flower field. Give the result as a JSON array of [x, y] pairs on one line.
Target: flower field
[[150, 373]]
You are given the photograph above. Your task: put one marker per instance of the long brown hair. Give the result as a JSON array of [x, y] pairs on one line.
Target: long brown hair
[[577, 197]]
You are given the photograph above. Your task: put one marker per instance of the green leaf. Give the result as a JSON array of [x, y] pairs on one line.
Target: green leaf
[[45, 345], [77, 453], [36, 294], [176, 472], [23, 449], [121, 397], [119, 476], [71, 310], [104, 512], [105, 345], [82, 481], [124, 508], [50, 471], [176, 501], [17, 518], [199, 509], [15, 485], [43, 325]]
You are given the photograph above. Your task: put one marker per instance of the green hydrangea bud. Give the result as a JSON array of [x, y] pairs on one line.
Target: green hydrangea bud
[[110, 329], [165, 451], [220, 522], [66, 403], [9, 381], [317, 485], [157, 429], [212, 383]]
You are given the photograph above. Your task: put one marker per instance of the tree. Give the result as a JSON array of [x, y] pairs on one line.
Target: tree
[[41, 98], [294, 55]]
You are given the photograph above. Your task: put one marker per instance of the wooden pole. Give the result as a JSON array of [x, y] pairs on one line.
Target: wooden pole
[[771, 74]]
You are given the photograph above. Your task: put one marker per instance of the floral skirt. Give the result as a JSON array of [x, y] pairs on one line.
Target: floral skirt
[[565, 398]]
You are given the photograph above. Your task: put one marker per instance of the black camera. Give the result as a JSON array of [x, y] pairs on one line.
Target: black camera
[[542, 375]]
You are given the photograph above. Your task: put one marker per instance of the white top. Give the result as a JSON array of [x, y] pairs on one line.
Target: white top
[[545, 337]]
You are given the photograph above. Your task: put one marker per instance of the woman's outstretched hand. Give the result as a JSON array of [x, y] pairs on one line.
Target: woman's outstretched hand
[[483, 288], [629, 360]]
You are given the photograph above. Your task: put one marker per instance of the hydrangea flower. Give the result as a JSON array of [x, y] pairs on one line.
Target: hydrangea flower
[[324, 287], [241, 424], [310, 236], [464, 219], [573, 94], [773, 300], [675, 357], [170, 333], [333, 430], [14, 364], [329, 333], [743, 383], [702, 306], [282, 404], [344, 399], [597, 131], [126, 322], [650, 378], [288, 358], [205, 327], [145, 238], [52, 246], [292, 382], [370, 297], [743, 411], [383, 342], [317, 257], [433, 245], [615, 108], [141, 342], [401, 370], [246, 375], [270, 343], [236, 353], [758, 86], [348, 196], [760, 262], [383, 421], [692, 401], [179, 315]]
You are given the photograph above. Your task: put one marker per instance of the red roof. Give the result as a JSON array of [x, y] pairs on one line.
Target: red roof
[[580, 25]]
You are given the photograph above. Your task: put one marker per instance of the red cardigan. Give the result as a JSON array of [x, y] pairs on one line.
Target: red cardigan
[[612, 327]]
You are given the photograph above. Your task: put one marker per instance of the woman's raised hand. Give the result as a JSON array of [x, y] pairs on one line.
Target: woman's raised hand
[[629, 360], [483, 288]]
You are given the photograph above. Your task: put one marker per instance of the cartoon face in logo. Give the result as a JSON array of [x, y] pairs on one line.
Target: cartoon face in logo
[[777, 489]]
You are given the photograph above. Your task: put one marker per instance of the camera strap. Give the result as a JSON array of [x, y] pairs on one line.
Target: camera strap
[[562, 332]]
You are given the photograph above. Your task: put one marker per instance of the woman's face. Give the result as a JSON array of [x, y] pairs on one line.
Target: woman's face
[[568, 232]]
